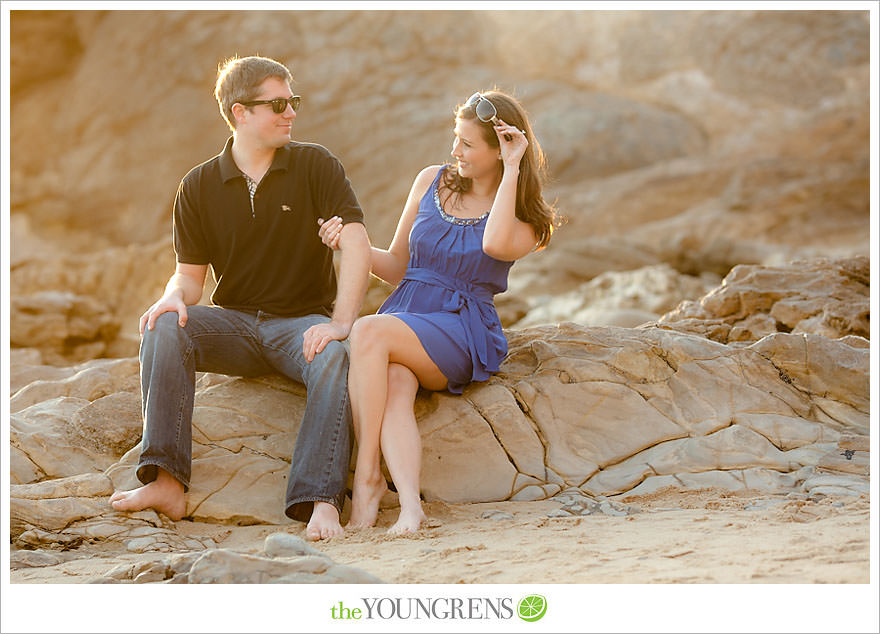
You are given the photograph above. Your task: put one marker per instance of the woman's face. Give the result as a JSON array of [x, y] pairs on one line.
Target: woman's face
[[476, 158]]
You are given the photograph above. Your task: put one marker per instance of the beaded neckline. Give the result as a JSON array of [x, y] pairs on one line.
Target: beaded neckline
[[453, 219]]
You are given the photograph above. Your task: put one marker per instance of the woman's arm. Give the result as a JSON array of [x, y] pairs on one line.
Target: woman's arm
[[389, 264], [506, 237]]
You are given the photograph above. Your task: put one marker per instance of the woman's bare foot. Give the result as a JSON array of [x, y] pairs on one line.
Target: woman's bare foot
[[409, 520], [164, 495], [324, 522], [365, 498]]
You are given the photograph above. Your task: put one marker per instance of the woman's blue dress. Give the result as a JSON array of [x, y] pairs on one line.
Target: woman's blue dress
[[447, 294]]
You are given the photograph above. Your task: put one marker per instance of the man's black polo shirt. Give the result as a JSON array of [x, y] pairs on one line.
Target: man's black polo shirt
[[272, 259]]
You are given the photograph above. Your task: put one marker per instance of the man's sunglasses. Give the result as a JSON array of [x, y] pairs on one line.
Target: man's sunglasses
[[485, 110], [278, 105]]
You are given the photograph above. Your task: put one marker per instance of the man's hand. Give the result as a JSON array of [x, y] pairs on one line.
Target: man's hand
[[166, 304], [183, 288], [318, 336]]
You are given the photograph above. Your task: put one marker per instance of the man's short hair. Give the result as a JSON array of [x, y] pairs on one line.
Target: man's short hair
[[238, 79]]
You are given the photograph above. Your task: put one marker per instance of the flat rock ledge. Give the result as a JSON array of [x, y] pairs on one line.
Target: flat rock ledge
[[605, 412]]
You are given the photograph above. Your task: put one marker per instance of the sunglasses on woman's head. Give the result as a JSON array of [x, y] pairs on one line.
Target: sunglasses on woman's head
[[483, 108], [279, 105]]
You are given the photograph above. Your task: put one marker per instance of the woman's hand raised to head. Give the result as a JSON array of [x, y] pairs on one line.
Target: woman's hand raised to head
[[330, 231], [512, 150]]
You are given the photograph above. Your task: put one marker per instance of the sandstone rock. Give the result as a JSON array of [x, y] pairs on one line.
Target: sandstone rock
[[826, 370], [829, 298], [33, 559], [90, 380], [69, 435], [626, 298], [62, 322], [44, 444], [729, 49], [455, 439], [682, 145], [224, 566], [227, 566], [244, 431], [622, 133], [757, 479], [572, 262], [92, 316], [608, 411], [854, 442], [693, 157]]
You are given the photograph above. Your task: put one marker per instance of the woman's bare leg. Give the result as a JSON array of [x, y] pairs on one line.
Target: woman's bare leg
[[377, 341], [402, 446]]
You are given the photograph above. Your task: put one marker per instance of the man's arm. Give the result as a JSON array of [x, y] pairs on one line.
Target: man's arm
[[354, 276], [183, 289]]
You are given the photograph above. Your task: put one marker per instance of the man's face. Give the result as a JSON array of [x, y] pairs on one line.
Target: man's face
[[260, 123]]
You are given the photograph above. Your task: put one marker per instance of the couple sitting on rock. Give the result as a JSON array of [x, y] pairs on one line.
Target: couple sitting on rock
[[251, 214]]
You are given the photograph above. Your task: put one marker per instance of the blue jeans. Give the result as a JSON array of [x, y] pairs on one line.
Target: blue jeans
[[238, 343]]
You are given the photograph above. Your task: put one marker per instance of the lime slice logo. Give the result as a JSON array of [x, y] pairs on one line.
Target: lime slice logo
[[532, 607]]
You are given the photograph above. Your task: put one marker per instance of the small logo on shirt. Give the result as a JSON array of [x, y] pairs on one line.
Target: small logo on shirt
[[285, 208]]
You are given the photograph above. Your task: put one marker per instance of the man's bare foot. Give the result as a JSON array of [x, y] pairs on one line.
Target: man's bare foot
[[365, 498], [164, 495], [324, 522], [409, 521]]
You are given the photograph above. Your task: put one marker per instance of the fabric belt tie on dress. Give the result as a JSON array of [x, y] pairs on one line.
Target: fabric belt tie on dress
[[474, 302]]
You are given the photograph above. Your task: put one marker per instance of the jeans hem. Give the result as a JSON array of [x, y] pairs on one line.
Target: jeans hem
[[142, 472], [296, 510]]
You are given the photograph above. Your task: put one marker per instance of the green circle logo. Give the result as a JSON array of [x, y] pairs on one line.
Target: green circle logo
[[532, 607]]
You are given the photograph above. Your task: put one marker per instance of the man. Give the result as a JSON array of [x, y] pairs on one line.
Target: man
[[251, 213]]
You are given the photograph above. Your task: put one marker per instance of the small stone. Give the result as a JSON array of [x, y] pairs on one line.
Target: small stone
[[122, 572], [495, 514], [180, 563], [32, 559], [142, 544], [108, 580], [609, 509], [558, 513], [150, 576], [287, 545], [37, 537]]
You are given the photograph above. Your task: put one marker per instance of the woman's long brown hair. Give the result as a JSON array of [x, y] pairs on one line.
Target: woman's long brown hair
[[530, 204]]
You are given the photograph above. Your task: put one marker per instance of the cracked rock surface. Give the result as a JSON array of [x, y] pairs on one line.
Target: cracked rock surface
[[603, 411]]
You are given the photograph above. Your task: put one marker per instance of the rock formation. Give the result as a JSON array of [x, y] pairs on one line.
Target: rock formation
[[604, 411], [663, 145]]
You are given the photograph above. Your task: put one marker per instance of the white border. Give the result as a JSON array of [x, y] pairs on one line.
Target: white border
[[573, 608]]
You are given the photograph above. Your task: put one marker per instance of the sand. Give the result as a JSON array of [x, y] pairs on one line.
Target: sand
[[676, 537], [701, 561]]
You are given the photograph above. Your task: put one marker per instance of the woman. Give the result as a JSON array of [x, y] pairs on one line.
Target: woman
[[462, 228]]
